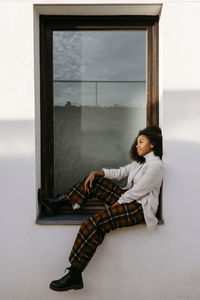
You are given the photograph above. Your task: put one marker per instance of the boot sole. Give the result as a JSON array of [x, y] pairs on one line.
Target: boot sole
[[75, 287]]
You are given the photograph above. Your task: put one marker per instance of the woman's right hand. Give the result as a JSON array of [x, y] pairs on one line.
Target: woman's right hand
[[88, 182]]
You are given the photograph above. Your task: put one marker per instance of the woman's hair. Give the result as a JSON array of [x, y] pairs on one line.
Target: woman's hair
[[154, 134]]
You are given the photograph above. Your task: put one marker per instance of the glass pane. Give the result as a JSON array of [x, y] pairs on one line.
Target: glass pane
[[99, 100]]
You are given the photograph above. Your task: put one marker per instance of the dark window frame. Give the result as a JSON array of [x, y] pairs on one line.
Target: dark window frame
[[48, 24]]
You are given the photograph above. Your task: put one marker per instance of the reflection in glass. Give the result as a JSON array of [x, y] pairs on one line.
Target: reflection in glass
[[99, 100]]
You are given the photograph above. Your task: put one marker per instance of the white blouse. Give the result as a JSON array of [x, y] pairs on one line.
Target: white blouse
[[143, 185]]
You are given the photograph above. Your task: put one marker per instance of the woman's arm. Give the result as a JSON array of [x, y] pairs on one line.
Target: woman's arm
[[108, 173], [89, 180], [150, 179], [117, 174]]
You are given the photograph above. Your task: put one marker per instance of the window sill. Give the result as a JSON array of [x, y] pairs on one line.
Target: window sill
[[69, 219], [63, 219]]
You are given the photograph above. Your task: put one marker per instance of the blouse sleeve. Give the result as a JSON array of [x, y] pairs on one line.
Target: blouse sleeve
[[117, 173], [150, 179]]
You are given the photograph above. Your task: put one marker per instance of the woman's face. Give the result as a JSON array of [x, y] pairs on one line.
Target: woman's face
[[144, 145]]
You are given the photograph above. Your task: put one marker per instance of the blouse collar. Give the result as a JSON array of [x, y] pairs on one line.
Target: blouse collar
[[149, 156]]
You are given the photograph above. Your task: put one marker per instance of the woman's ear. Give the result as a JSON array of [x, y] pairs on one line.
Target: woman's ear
[[152, 146]]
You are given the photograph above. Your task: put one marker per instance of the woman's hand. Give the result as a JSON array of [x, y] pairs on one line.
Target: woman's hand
[[88, 182]]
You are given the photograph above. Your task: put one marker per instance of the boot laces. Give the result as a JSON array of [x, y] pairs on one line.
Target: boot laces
[[69, 274], [68, 268]]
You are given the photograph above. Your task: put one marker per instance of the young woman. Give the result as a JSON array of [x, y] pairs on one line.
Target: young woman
[[135, 203]]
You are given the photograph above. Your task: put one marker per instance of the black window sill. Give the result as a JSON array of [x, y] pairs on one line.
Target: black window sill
[[69, 219], [63, 219]]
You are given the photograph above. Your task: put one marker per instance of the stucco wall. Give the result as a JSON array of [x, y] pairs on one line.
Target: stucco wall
[[131, 263]]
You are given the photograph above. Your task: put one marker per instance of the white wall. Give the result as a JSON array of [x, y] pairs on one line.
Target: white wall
[[131, 263]]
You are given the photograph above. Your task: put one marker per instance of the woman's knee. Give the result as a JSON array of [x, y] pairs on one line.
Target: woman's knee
[[97, 178], [102, 181], [89, 224]]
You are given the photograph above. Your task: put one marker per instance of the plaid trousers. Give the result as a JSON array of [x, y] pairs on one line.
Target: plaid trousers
[[93, 230]]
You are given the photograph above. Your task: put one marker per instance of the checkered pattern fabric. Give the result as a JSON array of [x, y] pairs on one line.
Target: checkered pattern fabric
[[102, 189], [93, 230]]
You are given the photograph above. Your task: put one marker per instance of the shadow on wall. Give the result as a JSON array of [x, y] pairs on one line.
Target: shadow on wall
[[181, 125], [181, 116], [180, 186], [17, 167], [181, 145]]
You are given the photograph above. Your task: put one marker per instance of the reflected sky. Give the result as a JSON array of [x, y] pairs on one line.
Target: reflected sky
[[100, 94], [99, 55], [117, 55]]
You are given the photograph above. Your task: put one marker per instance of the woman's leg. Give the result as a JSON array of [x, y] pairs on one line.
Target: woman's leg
[[102, 188], [93, 230]]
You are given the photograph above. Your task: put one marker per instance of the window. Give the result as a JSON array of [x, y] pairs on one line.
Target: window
[[99, 86]]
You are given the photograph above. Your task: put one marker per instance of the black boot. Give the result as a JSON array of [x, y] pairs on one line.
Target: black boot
[[58, 201], [50, 204], [73, 280], [55, 202]]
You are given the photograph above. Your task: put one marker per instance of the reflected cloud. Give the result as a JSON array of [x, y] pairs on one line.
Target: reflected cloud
[[99, 55]]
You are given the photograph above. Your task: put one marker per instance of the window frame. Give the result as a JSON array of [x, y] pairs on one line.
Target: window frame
[[50, 23]]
